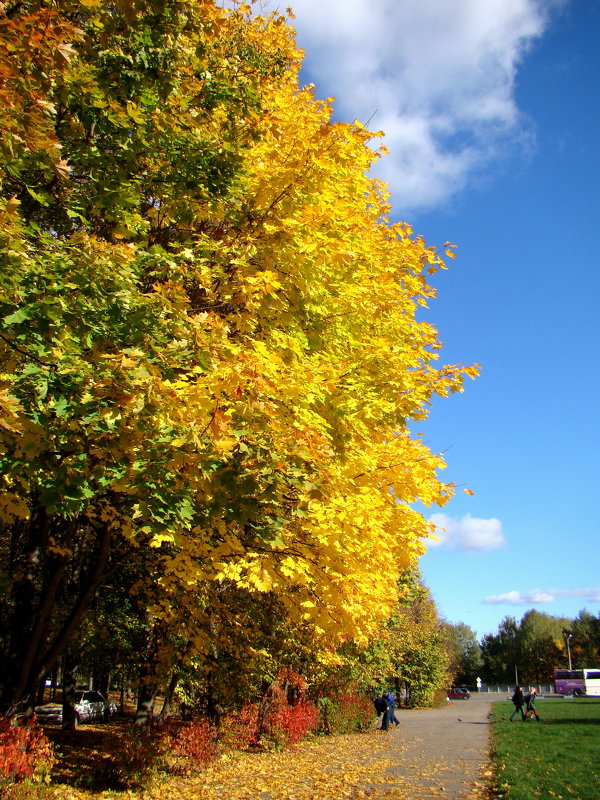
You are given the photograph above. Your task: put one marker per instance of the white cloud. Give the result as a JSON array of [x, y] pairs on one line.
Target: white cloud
[[514, 598], [468, 533], [438, 77]]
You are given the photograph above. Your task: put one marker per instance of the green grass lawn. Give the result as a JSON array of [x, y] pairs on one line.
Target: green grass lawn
[[555, 759]]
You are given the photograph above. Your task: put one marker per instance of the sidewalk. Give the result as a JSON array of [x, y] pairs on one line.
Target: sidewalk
[[440, 753]]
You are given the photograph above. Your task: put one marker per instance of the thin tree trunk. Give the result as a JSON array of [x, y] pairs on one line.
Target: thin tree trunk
[[93, 581], [37, 636], [104, 682], [168, 701], [69, 715], [27, 550], [148, 683]]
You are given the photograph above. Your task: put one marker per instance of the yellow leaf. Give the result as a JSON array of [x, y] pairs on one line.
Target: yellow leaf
[[12, 204]]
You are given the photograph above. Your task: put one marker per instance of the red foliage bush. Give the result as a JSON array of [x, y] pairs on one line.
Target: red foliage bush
[[280, 720], [240, 730], [25, 751], [293, 722], [172, 746], [195, 742], [284, 715], [353, 712]]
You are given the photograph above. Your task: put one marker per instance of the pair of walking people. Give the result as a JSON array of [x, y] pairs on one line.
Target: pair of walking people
[[524, 704]]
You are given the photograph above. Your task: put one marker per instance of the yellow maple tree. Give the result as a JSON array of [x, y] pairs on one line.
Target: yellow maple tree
[[328, 355], [210, 348]]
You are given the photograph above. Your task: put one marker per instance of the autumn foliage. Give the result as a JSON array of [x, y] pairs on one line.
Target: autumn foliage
[[281, 719], [210, 351], [25, 751], [345, 713], [174, 747], [178, 747]]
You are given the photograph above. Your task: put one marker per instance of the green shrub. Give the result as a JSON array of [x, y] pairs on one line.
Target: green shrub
[[345, 714]]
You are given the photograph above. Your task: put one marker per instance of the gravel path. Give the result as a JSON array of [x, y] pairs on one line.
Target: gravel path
[[439, 753]]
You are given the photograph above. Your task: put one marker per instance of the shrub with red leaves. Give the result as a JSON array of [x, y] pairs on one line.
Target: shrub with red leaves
[[195, 743], [281, 719], [348, 713], [25, 751], [284, 715], [240, 730], [293, 722]]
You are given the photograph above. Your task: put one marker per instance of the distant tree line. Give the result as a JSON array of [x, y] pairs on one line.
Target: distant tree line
[[537, 645], [528, 651]]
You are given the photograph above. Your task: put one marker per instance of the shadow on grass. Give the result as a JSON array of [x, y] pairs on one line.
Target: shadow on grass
[[571, 721]]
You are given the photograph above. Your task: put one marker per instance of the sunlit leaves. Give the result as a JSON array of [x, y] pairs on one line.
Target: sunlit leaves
[[210, 338]]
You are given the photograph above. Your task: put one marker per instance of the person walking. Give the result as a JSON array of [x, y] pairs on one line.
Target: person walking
[[519, 702], [530, 703], [391, 701]]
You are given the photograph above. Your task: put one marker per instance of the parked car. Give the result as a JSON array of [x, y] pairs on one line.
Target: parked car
[[89, 707], [459, 693]]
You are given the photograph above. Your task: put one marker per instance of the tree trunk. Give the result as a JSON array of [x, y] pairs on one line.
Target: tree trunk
[[69, 715], [104, 682], [145, 704], [148, 682], [81, 604], [38, 578], [39, 699], [27, 548], [168, 701]]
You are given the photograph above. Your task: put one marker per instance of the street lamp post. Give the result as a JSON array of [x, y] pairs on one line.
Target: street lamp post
[[568, 640]]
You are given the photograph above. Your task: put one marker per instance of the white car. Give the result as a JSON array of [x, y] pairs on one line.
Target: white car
[[89, 707]]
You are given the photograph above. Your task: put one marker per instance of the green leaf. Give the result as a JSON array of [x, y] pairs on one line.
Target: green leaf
[[60, 406], [42, 198], [18, 316]]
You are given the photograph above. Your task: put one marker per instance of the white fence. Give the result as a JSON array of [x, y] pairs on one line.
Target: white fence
[[543, 688]]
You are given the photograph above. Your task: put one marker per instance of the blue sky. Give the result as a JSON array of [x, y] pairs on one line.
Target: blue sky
[[492, 118]]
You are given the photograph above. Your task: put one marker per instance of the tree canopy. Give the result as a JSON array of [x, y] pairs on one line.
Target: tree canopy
[[464, 652], [210, 352]]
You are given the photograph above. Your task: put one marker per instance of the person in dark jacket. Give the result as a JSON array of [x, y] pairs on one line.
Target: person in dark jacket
[[391, 701], [530, 703], [519, 702], [382, 709]]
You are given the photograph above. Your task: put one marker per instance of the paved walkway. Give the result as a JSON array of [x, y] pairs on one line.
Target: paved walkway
[[440, 753]]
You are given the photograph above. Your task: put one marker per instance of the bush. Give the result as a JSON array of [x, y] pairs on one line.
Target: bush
[[194, 744], [290, 723], [25, 751], [345, 714], [26, 790], [273, 724], [140, 760], [169, 747], [440, 698], [239, 730], [281, 719]]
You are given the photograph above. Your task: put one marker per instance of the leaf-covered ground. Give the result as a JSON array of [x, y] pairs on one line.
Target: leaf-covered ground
[[371, 765]]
